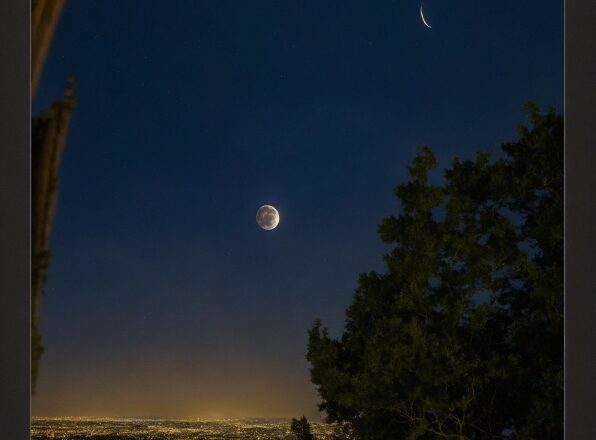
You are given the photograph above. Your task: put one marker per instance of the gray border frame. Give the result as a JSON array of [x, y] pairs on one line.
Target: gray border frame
[[15, 201], [580, 219]]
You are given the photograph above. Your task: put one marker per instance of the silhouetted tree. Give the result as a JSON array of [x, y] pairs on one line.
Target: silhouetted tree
[[48, 137], [462, 336], [301, 429]]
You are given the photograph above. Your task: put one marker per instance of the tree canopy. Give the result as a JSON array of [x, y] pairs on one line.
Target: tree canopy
[[301, 429], [462, 336]]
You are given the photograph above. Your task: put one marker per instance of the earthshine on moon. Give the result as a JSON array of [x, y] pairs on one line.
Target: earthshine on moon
[[267, 217]]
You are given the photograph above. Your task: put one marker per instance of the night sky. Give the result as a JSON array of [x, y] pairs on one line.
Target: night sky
[[164, 296]]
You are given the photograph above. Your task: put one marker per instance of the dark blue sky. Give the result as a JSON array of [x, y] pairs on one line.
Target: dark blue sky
[[164, 297]]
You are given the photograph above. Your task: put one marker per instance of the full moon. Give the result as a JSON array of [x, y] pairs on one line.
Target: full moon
[[267, 217]]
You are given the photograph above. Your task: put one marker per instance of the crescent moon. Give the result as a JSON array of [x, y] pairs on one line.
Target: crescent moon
[[423, 19]]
